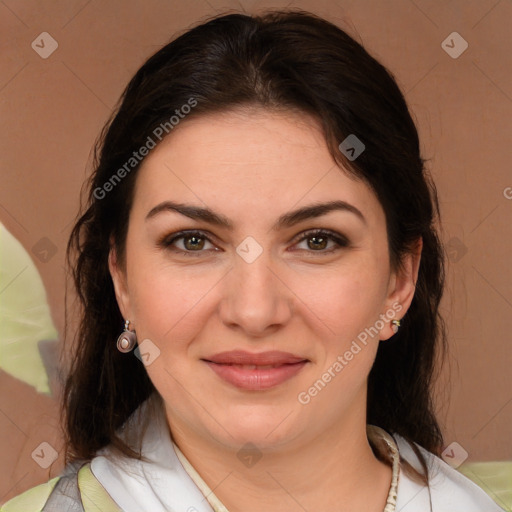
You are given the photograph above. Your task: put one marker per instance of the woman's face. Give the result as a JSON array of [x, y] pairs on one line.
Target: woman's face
[[254, 327]]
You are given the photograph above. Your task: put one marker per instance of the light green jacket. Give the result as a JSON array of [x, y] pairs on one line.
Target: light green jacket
[[78, 492]]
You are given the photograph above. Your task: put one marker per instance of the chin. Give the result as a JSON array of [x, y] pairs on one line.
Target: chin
[[258, 425]]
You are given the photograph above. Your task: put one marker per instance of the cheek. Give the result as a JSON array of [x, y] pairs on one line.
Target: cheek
[[345, 299], [170, 312], [161, 304], [170, 304], [346, 306]]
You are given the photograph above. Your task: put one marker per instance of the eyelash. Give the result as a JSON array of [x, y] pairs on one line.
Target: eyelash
[[338, 239]]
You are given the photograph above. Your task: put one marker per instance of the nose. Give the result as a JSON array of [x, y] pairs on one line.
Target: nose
[[256, 299]]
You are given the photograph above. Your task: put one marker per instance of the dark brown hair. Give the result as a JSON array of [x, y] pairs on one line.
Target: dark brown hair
[[289, 60]]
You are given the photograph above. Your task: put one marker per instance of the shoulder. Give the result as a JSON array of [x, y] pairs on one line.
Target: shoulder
[[76, 490], [32, 500], [448, 490]]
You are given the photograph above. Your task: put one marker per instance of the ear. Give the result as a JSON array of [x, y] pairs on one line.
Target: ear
[[118, 275], [402, 286]]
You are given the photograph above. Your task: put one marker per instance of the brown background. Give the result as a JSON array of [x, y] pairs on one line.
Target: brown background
[[53, 109]]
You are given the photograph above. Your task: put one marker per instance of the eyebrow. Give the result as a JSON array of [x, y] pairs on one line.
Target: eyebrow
[[285, 221]]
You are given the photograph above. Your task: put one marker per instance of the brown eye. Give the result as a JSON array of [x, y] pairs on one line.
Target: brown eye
[[187, 242], [193, 242], [318, 241]]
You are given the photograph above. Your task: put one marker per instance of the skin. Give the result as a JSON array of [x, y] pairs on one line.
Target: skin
[[252, 166]]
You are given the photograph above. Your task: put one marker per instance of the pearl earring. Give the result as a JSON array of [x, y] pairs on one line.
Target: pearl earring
[[395, 324], [127, 340]]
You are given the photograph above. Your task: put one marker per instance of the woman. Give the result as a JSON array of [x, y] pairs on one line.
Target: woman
[[261, 224]]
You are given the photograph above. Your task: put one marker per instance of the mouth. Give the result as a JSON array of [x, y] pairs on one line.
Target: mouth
[[256, 372], [253, 366]]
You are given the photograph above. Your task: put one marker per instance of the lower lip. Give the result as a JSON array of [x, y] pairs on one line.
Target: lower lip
[[256, 380]]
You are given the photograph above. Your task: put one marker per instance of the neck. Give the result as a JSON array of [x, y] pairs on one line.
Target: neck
[[335, 471]]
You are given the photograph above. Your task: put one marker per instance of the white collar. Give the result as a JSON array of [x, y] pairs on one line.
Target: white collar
[[448, 490], [162, 484]]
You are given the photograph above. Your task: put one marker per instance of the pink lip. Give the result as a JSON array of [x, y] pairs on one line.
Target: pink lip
[[229, 366], [261, 359]]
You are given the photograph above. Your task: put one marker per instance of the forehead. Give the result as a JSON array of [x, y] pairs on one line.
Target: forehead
[[250, 161]]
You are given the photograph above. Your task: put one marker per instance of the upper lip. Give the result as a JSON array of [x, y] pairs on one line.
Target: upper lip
[[260, 359]]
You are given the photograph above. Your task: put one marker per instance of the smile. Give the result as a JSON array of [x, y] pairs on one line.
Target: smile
[[254, 377]]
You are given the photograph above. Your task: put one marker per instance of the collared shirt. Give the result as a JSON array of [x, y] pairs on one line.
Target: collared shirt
[[167, 481]]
